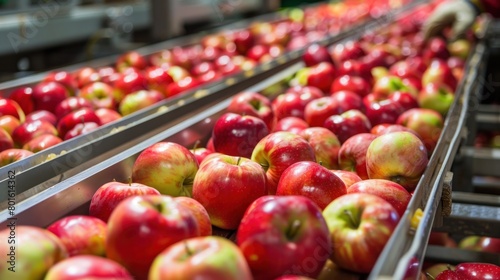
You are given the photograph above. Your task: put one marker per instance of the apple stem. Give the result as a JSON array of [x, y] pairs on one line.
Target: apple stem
[[320, 163], [354, 222], [196, 144], [429, 276], [188, 250], [293, 229], [130, 181], [239, 160]]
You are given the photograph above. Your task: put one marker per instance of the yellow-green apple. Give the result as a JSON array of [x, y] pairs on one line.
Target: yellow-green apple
[[42, 142], [352, 83], [28, 251], [86, 75], [348, 177], [440, 73], [6, 141], [316, 53], [360, 225], [138, 100], [43, 115], [30, 130], [22, 96], [311, 180], [131, 59], [253, 104], [12, 155], [471, 271], [387, 85], [352, 154], [290, 229], [47, 95], [392, 192], [110, 194], [71, 104], [291, 124], [427, 123], [168, 167], [81, 234], [480, 243], [438, 97], [107, 115], [236, 135], [128, 82], [321, 76], [399, 156], [226, 186], [207, 257], [99, 94], [144, 226], [199, 212], [64, 78], [277, 151], [325, 144], [434, 270], [87, 267], [71, 120], [318, 110], [459, 48], [9, 123], [348, 124], [9, 107], [178, 73]]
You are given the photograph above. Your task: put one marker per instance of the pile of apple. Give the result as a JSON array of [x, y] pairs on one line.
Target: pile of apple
[[65, 105]]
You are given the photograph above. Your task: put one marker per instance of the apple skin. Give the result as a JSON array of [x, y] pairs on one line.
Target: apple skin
[[168, 167], [9, 123], [87, 267], [311, 180], [291, 124], [64, 78], [209, 257], [199, 212], [83, 115], [277, 151], [138, 100], [348, 124], [387, 85], [42, 115], [352, 83], [440, 73], [347, 51], [438, 97], [12, 155], [237, 135], [81, 129], [360, 225], [244, 40], [99, 94], [106, 115], [388, 128], [293, 102], [348, 100], [427, 123], [6, 141], [128, 82], [131, 59], [42, 142], [47, 95], [315, 54], [480, 243], [352, 154], [182, 85], [392, 192], [321, 76], [434, 270], [33, 245], [146, 225], [436, 47], [110, 194], [23, 97], [348, 177], [30, 130], [253, 104], [325, 144], [226, 186], [400, 157], [472, 271], [318, 110], [88, 75], [405, 99], [286, 228], [69, 105], [10, 107], [81, 235]]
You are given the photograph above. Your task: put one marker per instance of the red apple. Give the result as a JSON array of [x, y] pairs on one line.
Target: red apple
[[10, 107], [347, 100], [237, 135], [440, 73], [348, 177], [355, 84], [107, 74], [110, 194], [244, 40], [322, 76], [128, 82], [360, 225], [9, 123], [87, 75], [81, 235], [405, 100], [6, 141], [400, 157], [436, 47], [381, 110], [315, 54], [325, 144], [480, 243], [352, 154], [42, 142], [83, 115], [99, 94], [209, 257], [472, 271], [43, 115], [23, 97], [65, 78], [12, 155], [257, 52], [348, 124], [253, 104], [277, 151], [291, 124], [87, 267], [291, 104], [146, 225], [285, 228], [387, 85], [47, 95], [69, 105], [168, 167], [388, 128], [29, 130], [80, 129], [138, 100], [438, 97], [318, 110], [107, 115], [131, 59], [182, 85], [347, 51], [226, 186], [427, 123], [199, 212]]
